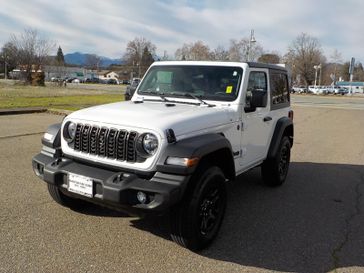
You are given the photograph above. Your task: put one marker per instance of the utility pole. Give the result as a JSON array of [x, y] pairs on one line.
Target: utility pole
[[320, 74], [6, 70], [351, 72], [5, 67]]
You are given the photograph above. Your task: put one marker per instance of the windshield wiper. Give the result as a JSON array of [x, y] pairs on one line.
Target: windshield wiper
[[199, 99], [159, 94]]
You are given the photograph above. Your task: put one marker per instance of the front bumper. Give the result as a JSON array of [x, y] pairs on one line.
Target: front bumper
[[114, 189]]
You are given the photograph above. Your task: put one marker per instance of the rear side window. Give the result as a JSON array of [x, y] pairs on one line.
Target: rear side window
[[279, 89]]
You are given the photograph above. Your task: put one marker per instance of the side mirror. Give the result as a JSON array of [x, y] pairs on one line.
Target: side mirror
[[257, 99]]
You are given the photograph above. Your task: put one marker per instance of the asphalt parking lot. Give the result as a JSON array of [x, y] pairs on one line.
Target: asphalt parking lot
[[314, 223]]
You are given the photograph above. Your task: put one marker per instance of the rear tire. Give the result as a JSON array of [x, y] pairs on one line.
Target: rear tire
[[63, 199], [195, 222], [274, 170]]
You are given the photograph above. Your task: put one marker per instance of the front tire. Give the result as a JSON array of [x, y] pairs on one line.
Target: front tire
[[63, 199], [195, 222], [275, 170]]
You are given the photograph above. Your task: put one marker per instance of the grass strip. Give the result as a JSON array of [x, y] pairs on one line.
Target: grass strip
[[59, 102]]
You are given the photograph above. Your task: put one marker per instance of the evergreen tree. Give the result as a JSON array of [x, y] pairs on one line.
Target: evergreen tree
[[147, 58], [60, 56]]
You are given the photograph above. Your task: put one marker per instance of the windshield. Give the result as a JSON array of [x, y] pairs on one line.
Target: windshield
[[220, 83]]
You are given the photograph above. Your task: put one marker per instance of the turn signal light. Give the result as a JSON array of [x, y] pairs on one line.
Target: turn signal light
[[180, 161]]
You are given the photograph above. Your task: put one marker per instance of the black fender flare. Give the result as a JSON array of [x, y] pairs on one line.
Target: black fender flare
[[198, 146], [283, 125]]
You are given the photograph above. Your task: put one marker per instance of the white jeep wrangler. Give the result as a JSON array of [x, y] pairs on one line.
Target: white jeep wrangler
[[189, 128]]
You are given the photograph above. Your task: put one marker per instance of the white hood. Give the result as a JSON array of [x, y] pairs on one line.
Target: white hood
[[158, 116]]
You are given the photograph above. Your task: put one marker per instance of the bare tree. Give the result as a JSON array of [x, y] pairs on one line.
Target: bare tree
[[336, 58], [30, 52], [269, 58], [200, 51], [220, 54], [8, 56], [244, 50], [197, 51], [358, 73], [93, 61], [303, 54], [183, 53], [136, 50]]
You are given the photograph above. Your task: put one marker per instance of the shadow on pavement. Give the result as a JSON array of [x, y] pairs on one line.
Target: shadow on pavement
[[97, 210], [310, 224]]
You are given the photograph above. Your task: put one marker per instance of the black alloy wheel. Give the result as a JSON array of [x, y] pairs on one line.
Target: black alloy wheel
[[275, 170], [196, 221], [211, 211]]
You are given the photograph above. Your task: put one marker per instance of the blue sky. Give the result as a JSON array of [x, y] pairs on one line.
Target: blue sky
[[105, 27]]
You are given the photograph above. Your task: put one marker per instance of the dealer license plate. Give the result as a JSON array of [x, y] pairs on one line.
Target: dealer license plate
[[80, 184]]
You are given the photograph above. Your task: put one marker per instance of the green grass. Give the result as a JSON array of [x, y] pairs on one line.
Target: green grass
[[73, 97], [59, 102]]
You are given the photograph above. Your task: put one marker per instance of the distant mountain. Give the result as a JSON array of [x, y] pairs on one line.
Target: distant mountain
[[80, 59]]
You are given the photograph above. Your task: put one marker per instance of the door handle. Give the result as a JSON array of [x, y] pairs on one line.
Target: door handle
[[267, 119]]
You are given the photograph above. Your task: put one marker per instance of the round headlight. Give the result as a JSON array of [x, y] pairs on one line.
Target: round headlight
[[69, 131], [149, 144]]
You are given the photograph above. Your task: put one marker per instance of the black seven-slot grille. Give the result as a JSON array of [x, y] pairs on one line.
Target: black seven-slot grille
[[110, 143]]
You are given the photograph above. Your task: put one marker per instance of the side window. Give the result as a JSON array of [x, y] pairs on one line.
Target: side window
[[257, 82], [279, 87]]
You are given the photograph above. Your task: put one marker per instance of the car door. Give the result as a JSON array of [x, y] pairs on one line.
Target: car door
[[256, 123]]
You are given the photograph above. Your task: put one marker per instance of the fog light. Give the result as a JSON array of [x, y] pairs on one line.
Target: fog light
[[41, 169], [38, 169], [142, 197]]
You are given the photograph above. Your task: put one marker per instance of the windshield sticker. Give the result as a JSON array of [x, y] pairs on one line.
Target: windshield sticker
[[235, 74], [229, 89]]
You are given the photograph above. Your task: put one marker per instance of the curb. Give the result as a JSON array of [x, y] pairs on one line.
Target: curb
[[59, 112], [18, 111]]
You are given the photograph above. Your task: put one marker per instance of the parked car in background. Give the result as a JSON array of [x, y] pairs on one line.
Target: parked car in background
[[125, 82], [130, 89], [337, 90], [69, 79], [299, 89], [55, 79], [92, 80], [317, 90], [330, 89], [112, 81]]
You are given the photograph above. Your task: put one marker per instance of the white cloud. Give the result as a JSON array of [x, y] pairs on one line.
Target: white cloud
[[105, 27]]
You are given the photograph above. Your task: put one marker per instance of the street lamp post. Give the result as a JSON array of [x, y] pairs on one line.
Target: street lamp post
[[5, 70], [251, 40], [317, 67], [139, 59]]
